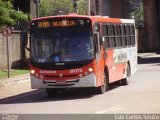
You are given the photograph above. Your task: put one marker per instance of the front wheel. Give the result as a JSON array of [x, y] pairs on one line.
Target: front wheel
[[103, 88]]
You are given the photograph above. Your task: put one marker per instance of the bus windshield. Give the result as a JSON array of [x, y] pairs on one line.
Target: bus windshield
[[61, 45]]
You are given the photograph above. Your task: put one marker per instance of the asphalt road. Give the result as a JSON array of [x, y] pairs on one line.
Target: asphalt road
[[142, 95]]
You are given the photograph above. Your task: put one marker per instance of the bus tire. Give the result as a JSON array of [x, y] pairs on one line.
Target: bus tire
[[126, 80], [103, 88], [107, 79]]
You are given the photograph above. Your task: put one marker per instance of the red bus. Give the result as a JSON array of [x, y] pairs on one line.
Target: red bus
[[76, 51]]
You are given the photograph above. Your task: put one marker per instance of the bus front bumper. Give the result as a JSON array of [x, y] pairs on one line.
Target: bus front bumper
[[87, 81]]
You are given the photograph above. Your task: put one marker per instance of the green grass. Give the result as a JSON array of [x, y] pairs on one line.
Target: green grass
[[4, 74]]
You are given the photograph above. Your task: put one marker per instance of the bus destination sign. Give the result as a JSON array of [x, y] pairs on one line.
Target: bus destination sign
[[61, 23], [64, 23]]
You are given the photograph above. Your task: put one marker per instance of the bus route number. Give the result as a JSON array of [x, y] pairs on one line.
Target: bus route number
[[75, 71]]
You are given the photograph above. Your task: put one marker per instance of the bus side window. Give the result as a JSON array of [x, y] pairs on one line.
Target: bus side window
[[118, 36], [96, 43], [132, 35], [111, 34], [123, 35], [105, 33], [104, 30], [128, 35], [106, 42]]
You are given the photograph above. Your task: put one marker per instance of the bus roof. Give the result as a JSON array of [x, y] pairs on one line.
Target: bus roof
[[93, 18]]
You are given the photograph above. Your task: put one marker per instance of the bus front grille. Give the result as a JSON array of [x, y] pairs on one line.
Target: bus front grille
[[61, 82]]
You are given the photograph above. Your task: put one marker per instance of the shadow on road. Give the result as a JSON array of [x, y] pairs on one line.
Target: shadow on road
[[149, 60], [39, 96]]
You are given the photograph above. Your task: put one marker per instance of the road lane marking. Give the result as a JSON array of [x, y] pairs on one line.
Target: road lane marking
[[111, 109]]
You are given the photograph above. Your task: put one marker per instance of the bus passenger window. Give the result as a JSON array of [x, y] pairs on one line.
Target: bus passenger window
[[106, 42], [132, 35], [104, 30], [96, 43]]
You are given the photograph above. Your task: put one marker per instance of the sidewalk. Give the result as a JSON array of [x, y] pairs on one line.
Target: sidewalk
[[14, 80], [14, 86], [143, 55]]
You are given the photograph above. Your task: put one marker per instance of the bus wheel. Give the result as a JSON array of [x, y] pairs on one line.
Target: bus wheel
[[102, 89], [51, 92], [126, 80]]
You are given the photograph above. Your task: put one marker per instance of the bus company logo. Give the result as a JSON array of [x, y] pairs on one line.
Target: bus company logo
[[45, 71], [122, 56], [75, 71], [60, 75]]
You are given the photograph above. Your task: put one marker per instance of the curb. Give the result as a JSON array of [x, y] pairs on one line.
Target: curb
[[142, 55], [15, 80]]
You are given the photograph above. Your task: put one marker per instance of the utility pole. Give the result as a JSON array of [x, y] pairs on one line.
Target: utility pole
[[75, 6], [37, 7], [88, 7]]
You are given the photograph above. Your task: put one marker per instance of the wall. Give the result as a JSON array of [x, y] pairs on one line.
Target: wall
[[119, 8], [111, 8], [14, 51], [151, 24]]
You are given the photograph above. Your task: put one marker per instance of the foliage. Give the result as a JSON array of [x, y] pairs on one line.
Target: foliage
[[4, 74], [138, 13], [57, 7], [136, 10], [9, 16], [82, 7]]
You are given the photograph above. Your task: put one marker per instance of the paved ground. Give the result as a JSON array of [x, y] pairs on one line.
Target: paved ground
[[141, 96], [15, 85], [14, 80]]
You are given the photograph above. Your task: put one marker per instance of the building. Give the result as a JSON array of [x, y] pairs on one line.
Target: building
[[149, 35], [111, 8]]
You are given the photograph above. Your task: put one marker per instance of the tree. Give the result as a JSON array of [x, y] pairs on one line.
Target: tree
[[82, 7], [9, 16], [136, 10], [57, 7]]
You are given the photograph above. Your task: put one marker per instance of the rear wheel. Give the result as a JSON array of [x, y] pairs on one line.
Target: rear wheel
[[126, 80]]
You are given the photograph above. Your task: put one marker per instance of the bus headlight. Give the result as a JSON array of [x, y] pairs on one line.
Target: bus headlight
[[32, 72], [90, 69]]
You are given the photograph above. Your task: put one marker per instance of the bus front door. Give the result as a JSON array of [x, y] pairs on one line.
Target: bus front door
[[99, 59]]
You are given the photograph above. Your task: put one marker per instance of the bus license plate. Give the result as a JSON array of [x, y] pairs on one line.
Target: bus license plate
[[61, 82]]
